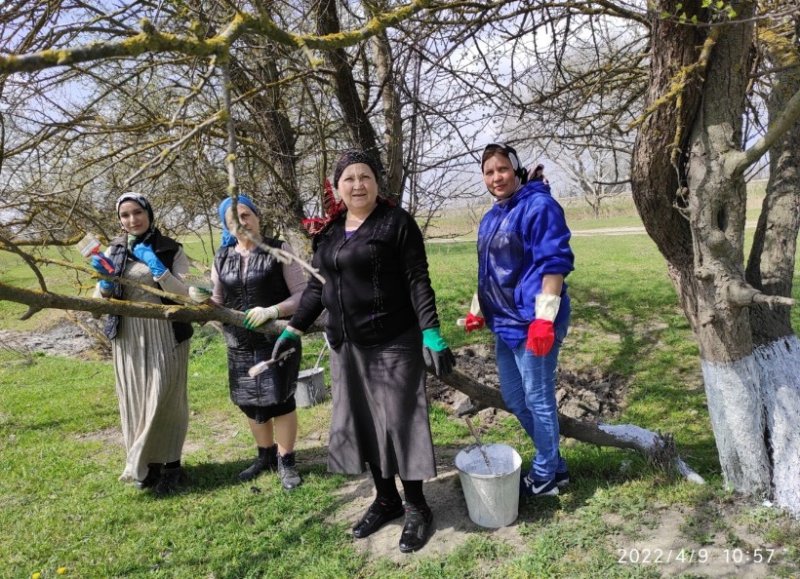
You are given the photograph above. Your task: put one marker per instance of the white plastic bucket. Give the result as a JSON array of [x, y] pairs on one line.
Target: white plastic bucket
[[310, 387], [492, 495]]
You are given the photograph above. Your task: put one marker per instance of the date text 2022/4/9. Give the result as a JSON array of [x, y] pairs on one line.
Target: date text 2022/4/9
[[702, 556]]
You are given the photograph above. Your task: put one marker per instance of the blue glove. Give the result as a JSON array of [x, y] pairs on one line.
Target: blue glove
[[146, 255], [436, 353], [100, 264]]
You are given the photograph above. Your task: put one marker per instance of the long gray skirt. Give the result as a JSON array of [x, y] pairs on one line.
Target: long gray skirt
[[380, 410], [151, 374]]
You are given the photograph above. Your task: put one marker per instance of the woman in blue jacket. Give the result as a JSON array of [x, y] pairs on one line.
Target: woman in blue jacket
[[523, 258]]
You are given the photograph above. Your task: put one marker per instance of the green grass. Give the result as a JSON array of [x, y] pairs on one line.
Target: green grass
[[61, 503]]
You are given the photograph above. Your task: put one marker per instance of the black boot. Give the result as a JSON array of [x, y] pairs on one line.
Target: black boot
[[172, 478], [290, 478], [419, 520], [153, 475], [267, 459]]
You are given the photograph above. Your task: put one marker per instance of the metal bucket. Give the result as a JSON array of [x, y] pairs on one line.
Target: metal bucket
[[310, 387], [491, 492]]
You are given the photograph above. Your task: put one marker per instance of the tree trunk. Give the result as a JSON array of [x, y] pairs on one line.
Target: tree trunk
[[656, 447], [659, 449], [698, 224], [770, 269], [361, 131], [392, 115]]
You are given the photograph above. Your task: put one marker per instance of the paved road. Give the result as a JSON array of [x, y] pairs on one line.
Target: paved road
[[633, 230]]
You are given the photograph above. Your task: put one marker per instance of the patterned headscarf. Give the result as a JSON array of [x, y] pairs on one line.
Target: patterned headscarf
[[228, 238], [142, 202]]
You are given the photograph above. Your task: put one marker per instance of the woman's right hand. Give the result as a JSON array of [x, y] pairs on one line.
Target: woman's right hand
[[100, 267]]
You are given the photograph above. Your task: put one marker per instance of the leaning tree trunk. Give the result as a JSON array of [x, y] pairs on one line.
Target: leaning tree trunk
[[362, 133], [742, 383], [657, 448]]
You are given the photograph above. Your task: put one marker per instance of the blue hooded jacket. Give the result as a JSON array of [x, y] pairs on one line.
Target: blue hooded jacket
[[520, 240]]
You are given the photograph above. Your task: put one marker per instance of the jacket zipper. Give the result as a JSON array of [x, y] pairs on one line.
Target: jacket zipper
[[339, 288]]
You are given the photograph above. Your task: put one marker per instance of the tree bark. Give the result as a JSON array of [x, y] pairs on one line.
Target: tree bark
[[362, 132], [655, 446], [693, 204]]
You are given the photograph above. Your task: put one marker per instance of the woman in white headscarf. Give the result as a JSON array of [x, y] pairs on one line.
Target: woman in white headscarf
[[151, 356]]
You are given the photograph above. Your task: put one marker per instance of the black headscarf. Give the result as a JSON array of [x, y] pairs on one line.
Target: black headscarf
[[354, 156]]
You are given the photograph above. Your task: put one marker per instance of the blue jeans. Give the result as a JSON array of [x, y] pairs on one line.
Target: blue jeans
[[528, 387]]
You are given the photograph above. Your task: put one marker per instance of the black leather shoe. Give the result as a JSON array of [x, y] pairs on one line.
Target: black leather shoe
[[377, 515], [416, 529]]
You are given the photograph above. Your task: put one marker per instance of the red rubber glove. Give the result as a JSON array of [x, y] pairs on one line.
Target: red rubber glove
[[541, 337], [473, 323]]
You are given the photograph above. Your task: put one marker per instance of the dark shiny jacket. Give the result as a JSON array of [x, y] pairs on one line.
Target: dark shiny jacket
[[377, 283], [262, 285], [521, 240]]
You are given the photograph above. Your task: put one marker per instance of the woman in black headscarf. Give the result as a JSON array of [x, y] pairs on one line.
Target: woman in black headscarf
[[150, 356], [383, 327]]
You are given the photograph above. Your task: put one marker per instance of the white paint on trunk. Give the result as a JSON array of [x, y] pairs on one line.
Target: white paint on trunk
[[779, 366], [737, 417], [636, 435], [647, 441], [688, 473]]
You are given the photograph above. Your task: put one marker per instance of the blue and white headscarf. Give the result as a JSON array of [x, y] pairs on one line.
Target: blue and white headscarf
[[228, 238]]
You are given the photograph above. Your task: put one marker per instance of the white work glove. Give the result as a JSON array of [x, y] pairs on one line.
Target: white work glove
[[199, 295], [255, 317], [547, 306]]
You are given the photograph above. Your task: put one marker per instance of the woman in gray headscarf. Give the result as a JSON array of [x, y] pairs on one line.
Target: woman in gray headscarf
[[150, 356]]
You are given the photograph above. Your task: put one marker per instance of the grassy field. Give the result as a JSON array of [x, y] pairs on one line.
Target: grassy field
[[62, 508]]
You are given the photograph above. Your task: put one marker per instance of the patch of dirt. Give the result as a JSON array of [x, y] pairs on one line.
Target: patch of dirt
[[729, 549], [77, 334], [589, 394], [451, 523], [579, 394]]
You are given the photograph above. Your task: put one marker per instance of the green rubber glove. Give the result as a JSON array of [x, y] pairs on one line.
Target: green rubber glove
[[286, 341], [436, 353]]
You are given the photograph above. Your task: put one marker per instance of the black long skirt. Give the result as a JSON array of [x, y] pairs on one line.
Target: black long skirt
[[380, 410]]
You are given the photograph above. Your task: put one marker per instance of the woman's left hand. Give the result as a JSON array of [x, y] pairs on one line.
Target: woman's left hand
[[146, 255], [436, 353], [254, 317]]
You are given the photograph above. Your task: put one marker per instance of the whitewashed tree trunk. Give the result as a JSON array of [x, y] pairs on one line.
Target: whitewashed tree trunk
[[693, 203], [736, 410], [779, 371]]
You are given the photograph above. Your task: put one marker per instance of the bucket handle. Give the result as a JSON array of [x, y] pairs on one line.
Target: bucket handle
[[322, 351]]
